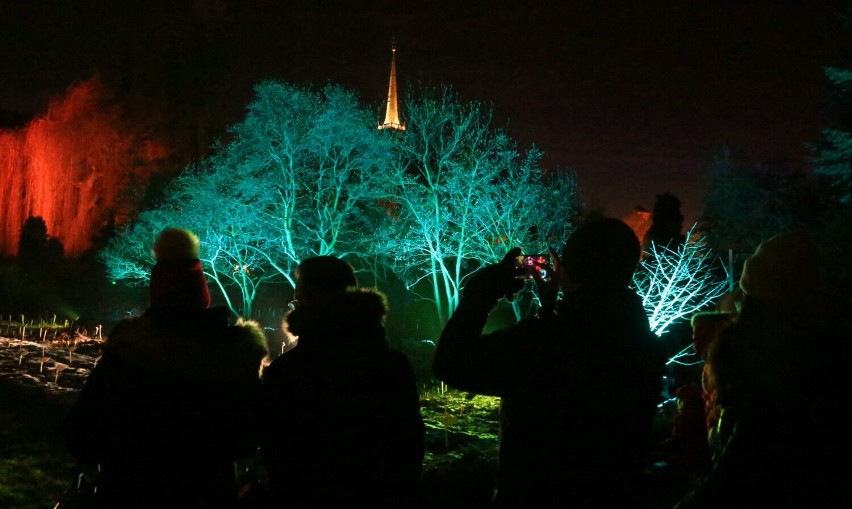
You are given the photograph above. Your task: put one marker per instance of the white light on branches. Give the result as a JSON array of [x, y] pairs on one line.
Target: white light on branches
[[676, 282]]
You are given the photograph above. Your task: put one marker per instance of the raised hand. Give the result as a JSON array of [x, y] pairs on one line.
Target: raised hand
[[548, 289], [496, 280]]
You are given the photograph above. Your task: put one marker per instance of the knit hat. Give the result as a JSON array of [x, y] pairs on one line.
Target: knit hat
[[177, 279], [688, 392], [783, 270]]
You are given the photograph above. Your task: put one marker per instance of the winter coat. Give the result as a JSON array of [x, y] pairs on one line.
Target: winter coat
[[687, 449], [782, 377], [343, 425], [169, 407], [579, 391]]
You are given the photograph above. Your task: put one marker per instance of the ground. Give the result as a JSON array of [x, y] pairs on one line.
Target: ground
[[38, 383], [41, 374]]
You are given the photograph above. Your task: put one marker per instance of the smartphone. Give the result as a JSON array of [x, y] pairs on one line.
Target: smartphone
[[530, 264]]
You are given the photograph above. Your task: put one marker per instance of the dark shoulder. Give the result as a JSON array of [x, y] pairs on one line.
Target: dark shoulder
[[128, 328], [202, 348], [285, 366]]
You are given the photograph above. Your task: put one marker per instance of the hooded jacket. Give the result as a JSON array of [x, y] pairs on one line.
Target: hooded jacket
[[343, 426], [169, 407]]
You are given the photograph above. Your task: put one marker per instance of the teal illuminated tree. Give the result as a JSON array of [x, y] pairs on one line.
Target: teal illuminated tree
[[307, 173], [459, 194], [295, 181], [834, 153], [228, 261], [746, 204], [311, 161], [833, 160]]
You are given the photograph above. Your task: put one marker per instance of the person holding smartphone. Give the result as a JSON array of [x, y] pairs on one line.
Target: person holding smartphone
[[579, 383]]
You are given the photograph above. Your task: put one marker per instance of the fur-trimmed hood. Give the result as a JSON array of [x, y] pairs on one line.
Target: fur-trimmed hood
[[355, 320], [194, 345]]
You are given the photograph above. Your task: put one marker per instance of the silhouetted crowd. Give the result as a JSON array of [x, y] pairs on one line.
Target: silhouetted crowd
[[185, 400]]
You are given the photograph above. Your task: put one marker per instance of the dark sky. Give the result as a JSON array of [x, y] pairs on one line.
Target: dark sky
[[633, 96]]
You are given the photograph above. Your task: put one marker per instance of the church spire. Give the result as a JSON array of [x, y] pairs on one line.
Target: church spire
[[392, 111]]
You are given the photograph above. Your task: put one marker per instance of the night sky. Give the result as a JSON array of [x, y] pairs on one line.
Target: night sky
[[633, 96]]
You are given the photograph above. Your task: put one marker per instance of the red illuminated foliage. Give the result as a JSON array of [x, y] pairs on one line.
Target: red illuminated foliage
[[72, 166]]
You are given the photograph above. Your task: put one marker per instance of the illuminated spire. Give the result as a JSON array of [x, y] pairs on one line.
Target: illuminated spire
[[392, 112]]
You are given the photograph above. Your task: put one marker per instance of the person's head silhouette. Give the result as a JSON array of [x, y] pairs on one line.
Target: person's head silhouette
[[600, 253], [321, 278]]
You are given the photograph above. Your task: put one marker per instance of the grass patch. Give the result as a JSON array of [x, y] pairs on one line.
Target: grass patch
[[34, 479], [35, 468], [461, 448]]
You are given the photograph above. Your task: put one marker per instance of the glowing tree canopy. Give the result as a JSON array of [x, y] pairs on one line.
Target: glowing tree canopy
[[307, 173], [460, 194], [295, 181]]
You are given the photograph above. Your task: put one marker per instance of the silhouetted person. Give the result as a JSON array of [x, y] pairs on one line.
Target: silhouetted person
[[168, 408], [343, 425], [781, 372], [579, 383], [706, 327], [687, 449], [666, 223]]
